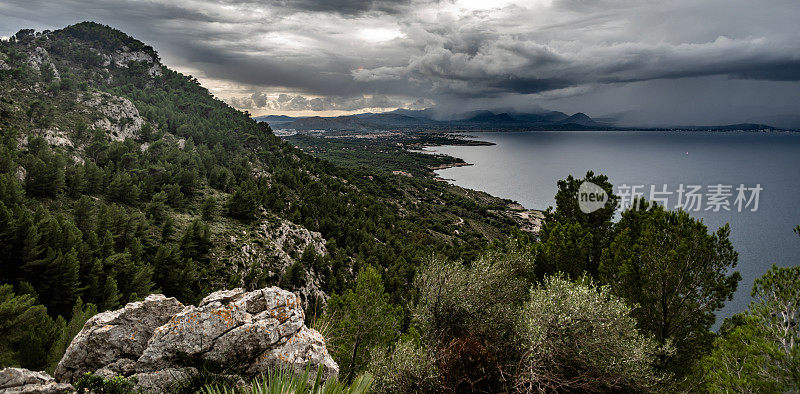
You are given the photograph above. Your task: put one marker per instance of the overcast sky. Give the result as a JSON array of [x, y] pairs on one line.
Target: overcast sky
[[646, 62]]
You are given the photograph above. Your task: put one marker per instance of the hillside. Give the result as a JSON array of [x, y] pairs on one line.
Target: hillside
[[121, 177]]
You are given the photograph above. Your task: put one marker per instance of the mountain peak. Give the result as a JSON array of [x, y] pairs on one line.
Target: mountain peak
[[581, 119], [106, 38]]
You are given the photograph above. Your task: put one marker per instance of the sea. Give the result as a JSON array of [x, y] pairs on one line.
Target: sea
[[750, 180]]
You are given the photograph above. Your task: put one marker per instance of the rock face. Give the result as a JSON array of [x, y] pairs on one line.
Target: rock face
[[19, 380], [159, 341], [38, 58], [270, 248], [122, 57], [120, 117], [109, 338]]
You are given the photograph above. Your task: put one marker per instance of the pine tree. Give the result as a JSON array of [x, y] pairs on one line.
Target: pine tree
[[95, 183], [196, 241], [7, 156], [83, 212], [359, 320], [175, 197], [244, 202], [59, 285], [80, 314], [94, 290], [45, 179], [122, 188], [157, 207], [20, 316], [110, 296], [593, 231], [10, 190], [209, 208], [75, 180], [106, 248], [8, 263], [677, 273]]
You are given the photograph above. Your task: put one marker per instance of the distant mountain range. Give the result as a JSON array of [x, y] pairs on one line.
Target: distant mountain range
[[405, 119], [416, 119]]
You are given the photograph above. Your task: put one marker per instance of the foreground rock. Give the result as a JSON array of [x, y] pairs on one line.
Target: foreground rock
[[159, 341], [115, 339], [19, 380]]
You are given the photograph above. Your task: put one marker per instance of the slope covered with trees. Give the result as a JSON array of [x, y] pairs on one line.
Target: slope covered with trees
[[120, 177]]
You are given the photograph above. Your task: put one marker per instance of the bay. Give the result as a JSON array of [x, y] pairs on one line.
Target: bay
[[525, 166]]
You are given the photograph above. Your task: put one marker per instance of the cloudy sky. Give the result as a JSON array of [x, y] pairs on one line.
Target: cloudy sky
[[641, 61]]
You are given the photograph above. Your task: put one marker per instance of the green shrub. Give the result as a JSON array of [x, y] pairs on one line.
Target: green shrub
[[99, 385], [580, 338], [467, 315], [408, 368]]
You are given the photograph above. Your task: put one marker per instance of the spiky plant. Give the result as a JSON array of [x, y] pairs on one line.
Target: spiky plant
[[287, 381]]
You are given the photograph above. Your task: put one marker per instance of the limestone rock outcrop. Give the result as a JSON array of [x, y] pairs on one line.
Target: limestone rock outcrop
[[158, 341], [120, 118], [270, 247], [109, 338], [20, 380]]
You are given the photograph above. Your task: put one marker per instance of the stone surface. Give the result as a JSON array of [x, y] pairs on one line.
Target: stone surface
[[120, 119], [304, 348], [121, 367], [162, 381], [239, 332], [110, 336], [19, 380], [272, 246]]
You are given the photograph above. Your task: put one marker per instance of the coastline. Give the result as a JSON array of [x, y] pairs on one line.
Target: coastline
[[444, 166], [529, 220]]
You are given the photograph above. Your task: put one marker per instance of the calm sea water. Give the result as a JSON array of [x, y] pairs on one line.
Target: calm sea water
[[524, 166]]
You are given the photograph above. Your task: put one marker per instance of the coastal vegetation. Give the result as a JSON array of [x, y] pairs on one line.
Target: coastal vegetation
[[120, 178]]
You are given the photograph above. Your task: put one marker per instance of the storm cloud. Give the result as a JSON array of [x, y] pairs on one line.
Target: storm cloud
[[348, 55]]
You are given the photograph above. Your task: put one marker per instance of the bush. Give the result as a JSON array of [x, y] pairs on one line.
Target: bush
[[99, 385], [408, 368], [578, 337], [468, 315], [483, 298]]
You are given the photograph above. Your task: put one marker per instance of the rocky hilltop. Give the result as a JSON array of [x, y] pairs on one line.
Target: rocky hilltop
[[158, 342]]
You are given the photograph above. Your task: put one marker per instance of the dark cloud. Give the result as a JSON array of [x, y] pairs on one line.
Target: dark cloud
[[351, 54], [787, 70], [346, 7]]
